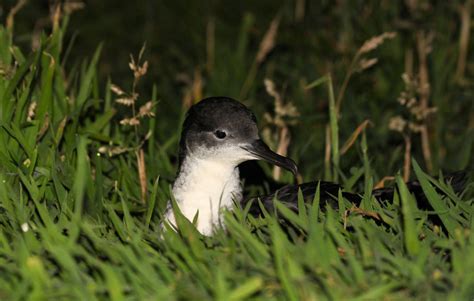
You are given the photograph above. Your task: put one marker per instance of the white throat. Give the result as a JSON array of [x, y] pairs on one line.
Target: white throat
[[205, 187]]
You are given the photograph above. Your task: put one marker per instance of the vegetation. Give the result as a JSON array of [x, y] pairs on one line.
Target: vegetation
[[86, 163]]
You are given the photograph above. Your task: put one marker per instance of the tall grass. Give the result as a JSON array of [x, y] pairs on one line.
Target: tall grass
[[73, 224]]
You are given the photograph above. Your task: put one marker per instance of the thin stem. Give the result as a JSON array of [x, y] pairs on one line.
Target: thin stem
[[348, 76], [424, 96], [407, 156], [333, 116]]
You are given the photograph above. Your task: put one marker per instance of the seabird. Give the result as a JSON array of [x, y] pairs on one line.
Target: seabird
[[218, 134]]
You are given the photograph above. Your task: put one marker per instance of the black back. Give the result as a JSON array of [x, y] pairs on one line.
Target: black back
[[288, 194]]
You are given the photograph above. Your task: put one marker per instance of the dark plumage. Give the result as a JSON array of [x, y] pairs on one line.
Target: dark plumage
[[288, 194]]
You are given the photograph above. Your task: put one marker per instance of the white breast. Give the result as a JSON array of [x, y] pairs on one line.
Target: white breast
[[207, 187]]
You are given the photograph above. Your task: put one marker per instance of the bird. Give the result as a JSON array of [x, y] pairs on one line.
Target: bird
[[218, 134]]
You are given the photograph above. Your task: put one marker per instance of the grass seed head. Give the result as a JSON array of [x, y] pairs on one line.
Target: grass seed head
[[117, 90], [146, 110], [374, 42], [31, 111], [138, 70], [126, 101], [130, 121], [397, 123], [366, 64]]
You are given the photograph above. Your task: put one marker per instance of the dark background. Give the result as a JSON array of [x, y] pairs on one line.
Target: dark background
[[318, 38]]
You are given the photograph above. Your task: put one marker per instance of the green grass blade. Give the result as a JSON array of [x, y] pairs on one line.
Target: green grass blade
[[410, 234]]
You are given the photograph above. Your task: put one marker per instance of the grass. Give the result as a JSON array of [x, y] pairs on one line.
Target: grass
[[74, 223]]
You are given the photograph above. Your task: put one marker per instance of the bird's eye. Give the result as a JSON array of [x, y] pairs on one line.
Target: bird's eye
[[220, 134]]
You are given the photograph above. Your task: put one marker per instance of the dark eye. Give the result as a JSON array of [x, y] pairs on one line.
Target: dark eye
[[220, 134]]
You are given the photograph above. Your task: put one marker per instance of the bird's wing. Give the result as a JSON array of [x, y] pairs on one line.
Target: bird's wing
[[288, 195]]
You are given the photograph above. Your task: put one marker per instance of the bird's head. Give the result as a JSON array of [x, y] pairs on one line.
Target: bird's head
[[223, 129]]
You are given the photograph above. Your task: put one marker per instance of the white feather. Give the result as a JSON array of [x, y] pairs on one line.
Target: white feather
[[207, 185]]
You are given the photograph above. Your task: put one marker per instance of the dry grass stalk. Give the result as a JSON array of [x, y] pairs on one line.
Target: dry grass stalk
[[268, 41], [71, 6], [142, 173], [410, 99], [352, 139], [409, 62], [55, 16], [359, 65], [129, 100], [282, 149], [360, 211], [11, 15], [285, 114], [271, 90], [366, 64], [197, 85], [465, 13], [40, 24], [374, 42], [187, 99], [300, 6], [327, 154], [424, 47], [266, 45], [381, 183], [193, 90], [407, 158]]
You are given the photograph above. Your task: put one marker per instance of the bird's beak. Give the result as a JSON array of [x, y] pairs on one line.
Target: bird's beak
[[260, 150]]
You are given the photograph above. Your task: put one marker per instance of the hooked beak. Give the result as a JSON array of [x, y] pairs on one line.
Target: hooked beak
[[260, 150]]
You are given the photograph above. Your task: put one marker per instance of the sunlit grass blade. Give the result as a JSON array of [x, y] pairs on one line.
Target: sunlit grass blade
[[256, 249], [86, 84], [246, 289], [45, 108], [81, 176], [151, 203], [377, 292], [6, 106], [410, 233], [291, 216], [435, 200], [282, 263]]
